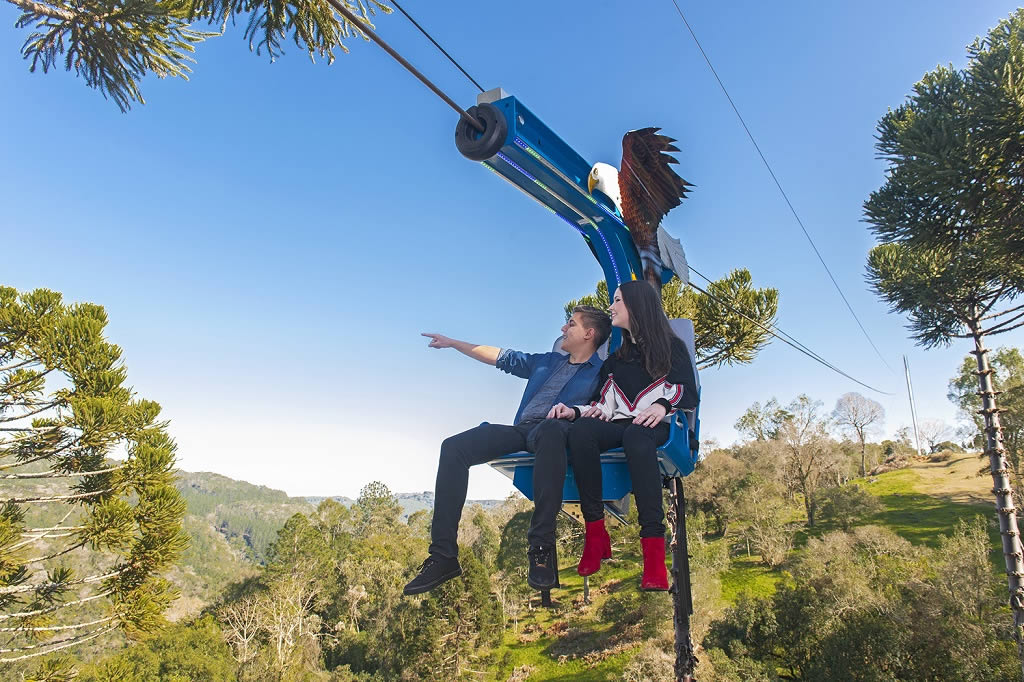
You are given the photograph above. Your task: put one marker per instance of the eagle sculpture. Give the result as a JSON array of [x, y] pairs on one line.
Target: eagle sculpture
[[643, 191]]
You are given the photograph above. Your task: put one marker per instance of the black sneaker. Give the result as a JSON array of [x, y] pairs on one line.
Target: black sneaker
[[434, 571], [543, 573]]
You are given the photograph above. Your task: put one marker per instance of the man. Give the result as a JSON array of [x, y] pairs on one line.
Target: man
[[552, 378]]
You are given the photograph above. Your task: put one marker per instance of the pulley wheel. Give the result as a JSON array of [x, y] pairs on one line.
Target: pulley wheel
[[478, 146]]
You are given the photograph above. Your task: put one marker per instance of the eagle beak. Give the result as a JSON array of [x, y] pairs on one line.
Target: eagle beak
[[590, 184]]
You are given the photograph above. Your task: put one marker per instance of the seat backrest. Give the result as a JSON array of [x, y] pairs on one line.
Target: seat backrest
[[683, 328]]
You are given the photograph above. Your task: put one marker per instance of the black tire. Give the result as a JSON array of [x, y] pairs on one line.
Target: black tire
[[478, 146]]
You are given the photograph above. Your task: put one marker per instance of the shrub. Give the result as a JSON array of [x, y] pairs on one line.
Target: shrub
[[847, 505]]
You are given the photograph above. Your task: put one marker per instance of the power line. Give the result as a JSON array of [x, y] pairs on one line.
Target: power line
[[780, 335], [779, 185], [437, 45]]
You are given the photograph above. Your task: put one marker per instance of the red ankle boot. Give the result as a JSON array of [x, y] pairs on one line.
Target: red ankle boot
[[596, 546], [655, 575]]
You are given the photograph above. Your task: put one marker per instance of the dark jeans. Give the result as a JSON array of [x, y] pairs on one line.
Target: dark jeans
[[546, 439], [589, 437]]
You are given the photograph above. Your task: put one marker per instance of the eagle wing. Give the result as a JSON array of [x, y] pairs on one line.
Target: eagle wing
[[649, 186]]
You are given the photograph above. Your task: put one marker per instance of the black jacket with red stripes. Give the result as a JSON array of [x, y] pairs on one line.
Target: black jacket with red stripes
[[625, 388]]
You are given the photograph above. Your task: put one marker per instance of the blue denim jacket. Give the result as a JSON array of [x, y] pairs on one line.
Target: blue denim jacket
[[537, 367]]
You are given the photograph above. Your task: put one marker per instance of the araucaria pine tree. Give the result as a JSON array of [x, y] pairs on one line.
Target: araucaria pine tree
[[89, 515], [113, 44], [950, 219]]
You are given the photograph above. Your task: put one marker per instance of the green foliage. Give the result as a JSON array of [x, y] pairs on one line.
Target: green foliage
[[711, 488], [848, 505], [376, 509], [1008, 379], [950, 212], [722, 337], [763, 422], [867, 606], [955, 153], [117, 521], [762, 506], [113, 44], [182, 653]]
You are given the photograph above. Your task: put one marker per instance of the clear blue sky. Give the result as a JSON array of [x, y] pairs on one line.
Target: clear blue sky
[[270, 239]]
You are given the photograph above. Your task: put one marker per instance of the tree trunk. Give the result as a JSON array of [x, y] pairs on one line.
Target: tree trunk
[[1003, 491], [863, 458], [809, 504]]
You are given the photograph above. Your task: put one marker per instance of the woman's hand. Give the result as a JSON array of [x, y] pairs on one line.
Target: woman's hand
[[562, 411], [651, 416], [595, 412]]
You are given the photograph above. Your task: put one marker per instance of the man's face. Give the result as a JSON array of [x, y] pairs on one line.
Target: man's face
[[576, 336]]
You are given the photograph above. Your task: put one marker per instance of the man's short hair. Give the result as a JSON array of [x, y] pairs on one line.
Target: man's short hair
[[596, 319]]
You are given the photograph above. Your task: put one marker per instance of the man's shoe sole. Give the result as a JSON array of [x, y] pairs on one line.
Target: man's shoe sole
[[541, 587], [427, 588]]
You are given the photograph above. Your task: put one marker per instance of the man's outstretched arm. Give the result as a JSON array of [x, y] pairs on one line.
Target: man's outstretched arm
[[485, 354]]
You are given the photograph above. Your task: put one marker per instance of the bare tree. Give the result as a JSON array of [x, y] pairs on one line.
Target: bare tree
[[243, 626], [763, 507], [288, 620], [809, 455], [933, 432], [860, 417]]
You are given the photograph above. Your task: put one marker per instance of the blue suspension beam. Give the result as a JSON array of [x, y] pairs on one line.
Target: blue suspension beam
[[529, 155]]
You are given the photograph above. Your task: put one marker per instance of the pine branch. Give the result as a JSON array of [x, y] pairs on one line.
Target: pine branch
[[36, 377], [47, 474], [55, 498], [56, 628], [37, 538], [46, 455], [64, 644], [1001, 313], [18, 417], [994, 329], [993, 298], [32, 531], [30, 361], [1005, 329], [17, 589], [19, 439], [44, 10], [39, 559], [57, 607]]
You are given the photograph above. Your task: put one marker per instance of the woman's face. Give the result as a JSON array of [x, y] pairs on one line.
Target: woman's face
[[620, 316]]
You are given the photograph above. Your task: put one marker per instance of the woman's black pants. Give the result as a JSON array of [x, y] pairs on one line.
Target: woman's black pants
[[589, 437]]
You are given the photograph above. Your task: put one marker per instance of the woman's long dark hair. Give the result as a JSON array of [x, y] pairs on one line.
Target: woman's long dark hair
[[649, 332]]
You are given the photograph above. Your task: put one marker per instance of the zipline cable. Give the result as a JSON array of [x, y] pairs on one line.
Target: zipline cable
[[360, 25], [778, 184], [437, 45], [780, 335]]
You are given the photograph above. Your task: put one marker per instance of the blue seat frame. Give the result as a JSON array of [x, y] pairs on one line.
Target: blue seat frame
[[676, 457]]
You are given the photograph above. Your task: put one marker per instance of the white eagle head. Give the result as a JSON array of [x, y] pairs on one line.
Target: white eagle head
[[605, 178]]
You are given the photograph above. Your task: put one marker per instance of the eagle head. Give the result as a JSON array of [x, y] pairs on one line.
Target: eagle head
[[605, 179]]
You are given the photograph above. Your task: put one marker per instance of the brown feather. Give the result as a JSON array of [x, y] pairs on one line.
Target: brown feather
[[648, 185]]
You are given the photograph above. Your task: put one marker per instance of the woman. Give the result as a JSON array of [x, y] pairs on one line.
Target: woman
[[640, 388]]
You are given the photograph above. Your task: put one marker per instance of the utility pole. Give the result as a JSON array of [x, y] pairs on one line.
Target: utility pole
[[913, 409]]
